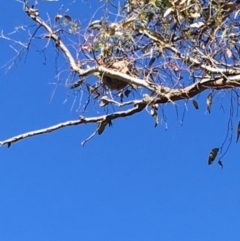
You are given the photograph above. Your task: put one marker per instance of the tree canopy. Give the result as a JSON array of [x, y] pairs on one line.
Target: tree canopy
[[141, 55]]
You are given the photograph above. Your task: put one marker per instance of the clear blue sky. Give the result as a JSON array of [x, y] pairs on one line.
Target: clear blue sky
[[134, 182]]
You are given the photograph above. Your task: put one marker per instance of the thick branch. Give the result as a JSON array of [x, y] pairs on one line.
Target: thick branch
[[82, 120], [170, 96]]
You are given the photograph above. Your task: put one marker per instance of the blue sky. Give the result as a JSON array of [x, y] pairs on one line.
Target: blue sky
[[134, 182]]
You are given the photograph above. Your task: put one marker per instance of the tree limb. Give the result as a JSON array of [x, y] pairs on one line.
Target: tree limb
[[82, 120]]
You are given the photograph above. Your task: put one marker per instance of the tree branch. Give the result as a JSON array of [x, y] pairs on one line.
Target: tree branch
[[82, 120]]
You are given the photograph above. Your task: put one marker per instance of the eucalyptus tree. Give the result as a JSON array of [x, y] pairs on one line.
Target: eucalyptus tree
[[142, 55]]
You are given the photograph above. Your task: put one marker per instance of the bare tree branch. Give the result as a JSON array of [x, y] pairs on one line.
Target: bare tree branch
[[82, 120]]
